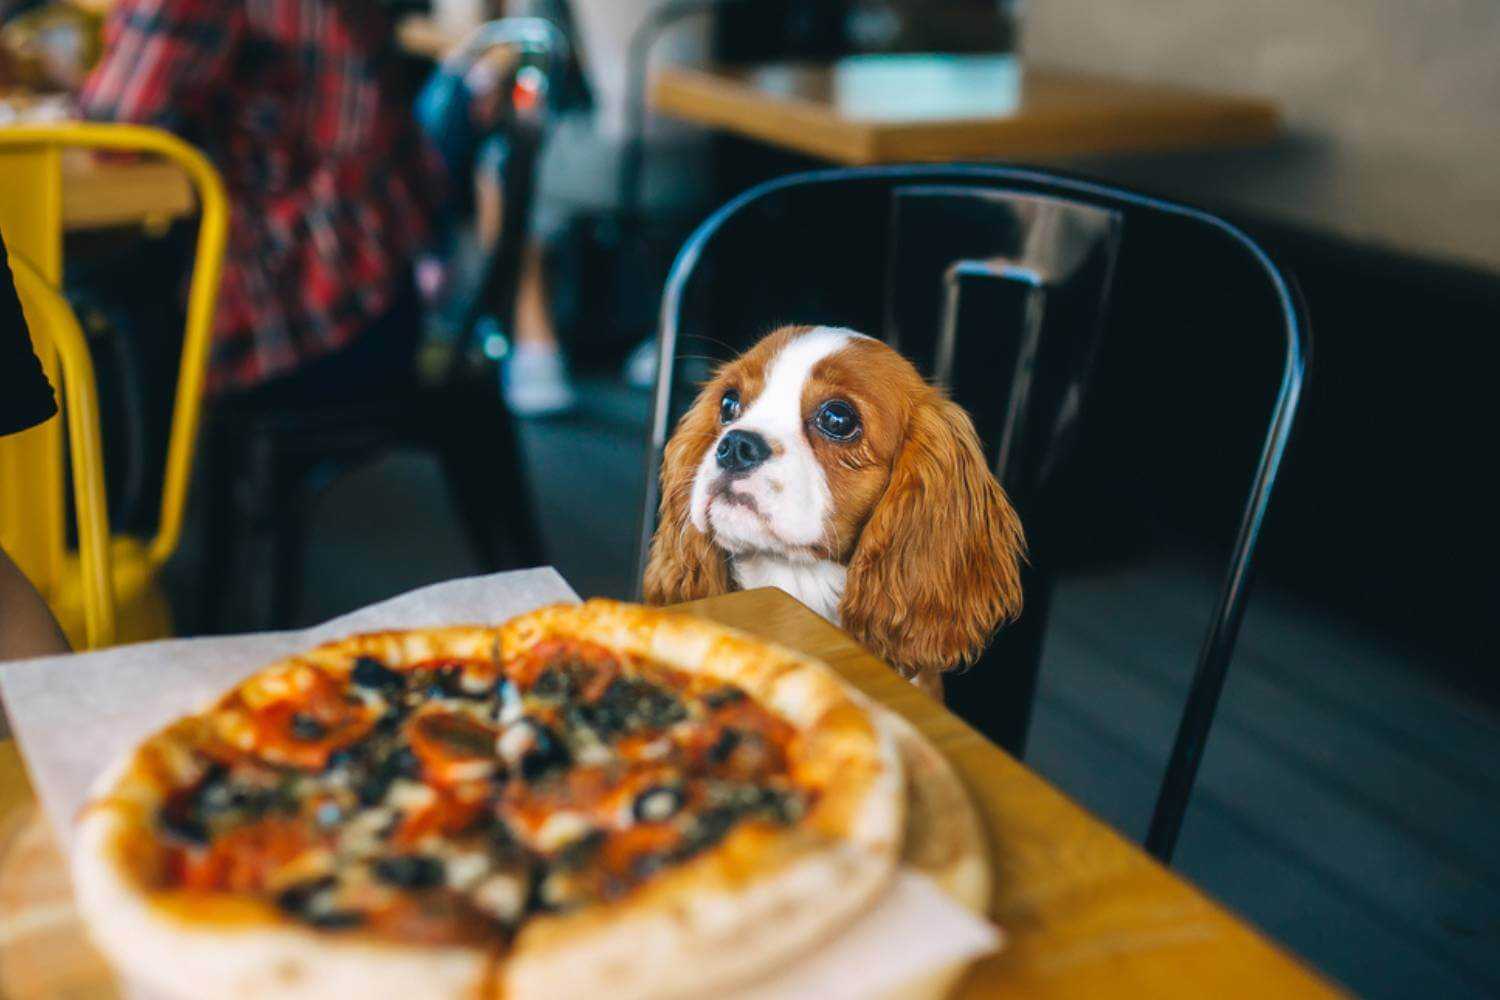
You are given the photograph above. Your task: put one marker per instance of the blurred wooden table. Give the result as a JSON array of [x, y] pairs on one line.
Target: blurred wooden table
[[97, 194], [862, 111], [100, 193], [421, 35], [1086, 913]]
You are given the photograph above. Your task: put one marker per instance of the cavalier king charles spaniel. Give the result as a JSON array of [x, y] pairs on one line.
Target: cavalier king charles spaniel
[[820, 462]]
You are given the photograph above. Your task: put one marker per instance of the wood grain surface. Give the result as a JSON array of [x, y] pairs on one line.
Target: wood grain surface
[[101, 193], [1085, 913], [421, 35], [97, 194], [1061, 114]]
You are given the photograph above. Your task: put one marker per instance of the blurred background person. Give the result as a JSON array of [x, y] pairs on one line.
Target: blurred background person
[[463, 110], [588, 282], [331, 183]]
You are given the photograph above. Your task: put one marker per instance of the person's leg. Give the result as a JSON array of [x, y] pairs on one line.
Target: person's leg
[[533, 305], [533, 375]]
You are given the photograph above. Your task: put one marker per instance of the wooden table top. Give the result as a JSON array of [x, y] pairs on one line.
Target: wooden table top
[[867, 111], [97, 194], [1086, 913], [100, 193], [422, 35]]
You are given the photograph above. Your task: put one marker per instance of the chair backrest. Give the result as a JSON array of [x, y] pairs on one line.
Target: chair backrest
[[539, 50], [55, 331], [32, 507], [996, 282]]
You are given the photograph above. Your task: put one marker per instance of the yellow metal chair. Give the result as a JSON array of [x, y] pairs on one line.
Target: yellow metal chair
[[109, 589]]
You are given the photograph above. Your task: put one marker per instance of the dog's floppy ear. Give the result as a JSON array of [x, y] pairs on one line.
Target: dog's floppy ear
[[937, 568], [685, 565]]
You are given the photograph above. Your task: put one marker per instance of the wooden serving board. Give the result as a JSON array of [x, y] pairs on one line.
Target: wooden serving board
[[45, 953]]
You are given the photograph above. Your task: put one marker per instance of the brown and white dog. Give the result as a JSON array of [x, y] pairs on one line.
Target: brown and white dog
[[820, 462]]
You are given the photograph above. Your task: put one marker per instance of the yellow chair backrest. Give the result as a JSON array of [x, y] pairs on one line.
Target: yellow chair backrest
[[54, 324], [33, 514]]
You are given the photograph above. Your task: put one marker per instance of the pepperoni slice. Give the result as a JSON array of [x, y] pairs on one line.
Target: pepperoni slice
[[300, 723], [452, 747], [243, 860]]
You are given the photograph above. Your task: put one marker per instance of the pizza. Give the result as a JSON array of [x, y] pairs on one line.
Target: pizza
[[597, 798]]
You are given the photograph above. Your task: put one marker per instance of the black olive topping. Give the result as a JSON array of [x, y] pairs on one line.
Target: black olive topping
[[225, 798], [215, 794], [391, 720], [305, 727], [410, 871], [553, 683], [334, 920], [296, 898], [646, 865], [535, 901], [578, 852], [709, 827], [400, 763], [629, 703], [658, 708], [727, 695], [405, 763], [724, 746], [184, 825], [372, 787], [546, 754], [633, 704], [581, 717], [657, 803], [504, 847], [346, 757], [371, 673]]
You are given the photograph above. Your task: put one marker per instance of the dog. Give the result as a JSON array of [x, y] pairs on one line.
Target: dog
[[820, 462]]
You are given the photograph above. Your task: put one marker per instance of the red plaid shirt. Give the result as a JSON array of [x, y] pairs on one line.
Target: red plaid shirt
[[331, 183]]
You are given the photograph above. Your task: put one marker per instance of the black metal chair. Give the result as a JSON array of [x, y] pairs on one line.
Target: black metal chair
[[999, 283], [265, 464]]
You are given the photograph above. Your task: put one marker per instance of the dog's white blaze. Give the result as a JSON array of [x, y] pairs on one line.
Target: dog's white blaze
[[819, 585], [790, 490]]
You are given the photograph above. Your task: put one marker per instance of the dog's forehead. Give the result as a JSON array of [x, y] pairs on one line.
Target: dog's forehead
[[788, 355], [794, 364]]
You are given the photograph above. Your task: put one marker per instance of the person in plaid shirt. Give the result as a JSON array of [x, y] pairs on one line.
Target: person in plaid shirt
[[332, 185]]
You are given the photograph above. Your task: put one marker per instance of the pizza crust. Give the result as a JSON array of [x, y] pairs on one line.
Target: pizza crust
[[741, 909], [177, 960], [733, 928], [239, 955]]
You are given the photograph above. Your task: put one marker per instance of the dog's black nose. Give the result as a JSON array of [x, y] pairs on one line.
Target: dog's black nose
[[741, 451]]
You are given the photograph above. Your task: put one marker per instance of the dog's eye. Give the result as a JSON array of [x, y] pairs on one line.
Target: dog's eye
[[836, 420], [729, 407]]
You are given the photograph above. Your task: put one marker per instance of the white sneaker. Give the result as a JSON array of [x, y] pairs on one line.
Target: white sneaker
[[535, 382], [640, 367]]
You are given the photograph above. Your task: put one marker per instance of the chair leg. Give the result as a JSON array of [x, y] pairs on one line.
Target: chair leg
[[291, 500], [275, 488], [489, 488], [222, 453]]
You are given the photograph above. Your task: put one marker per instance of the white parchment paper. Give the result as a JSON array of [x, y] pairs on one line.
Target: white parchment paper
[[73, 716]]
